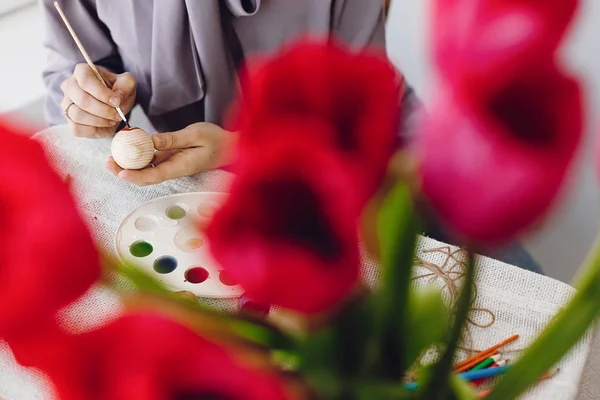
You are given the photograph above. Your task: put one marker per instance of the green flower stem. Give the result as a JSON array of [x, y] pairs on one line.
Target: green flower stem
[[398, 226], [565, 330], [438, 386], [369, 390], [462, 389]]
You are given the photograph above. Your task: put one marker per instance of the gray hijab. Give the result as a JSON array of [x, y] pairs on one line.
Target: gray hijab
[[179, 53], [191, 44]]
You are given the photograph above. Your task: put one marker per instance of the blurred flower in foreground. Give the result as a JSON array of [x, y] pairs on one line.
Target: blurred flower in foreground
[[288, 233], [473, 39], [497, 147], [48, 256], [357, 95], [144, 356], [492, 162]]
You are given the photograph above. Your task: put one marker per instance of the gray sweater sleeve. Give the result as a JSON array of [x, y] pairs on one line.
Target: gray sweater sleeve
[[63, 55]]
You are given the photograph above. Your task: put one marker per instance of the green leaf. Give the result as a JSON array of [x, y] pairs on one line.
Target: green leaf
[[287, 360], [381, 391], [263, 335], [259, 333], [398, 228], [319, 363], [141, 279], [353, 327], [438, 386], [462, 389], [565, 330], [338, 349], [428, 319]]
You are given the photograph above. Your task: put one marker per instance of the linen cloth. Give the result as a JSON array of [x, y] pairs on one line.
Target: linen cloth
[[509, 300]]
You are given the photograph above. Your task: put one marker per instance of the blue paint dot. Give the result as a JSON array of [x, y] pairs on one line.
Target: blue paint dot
[[165, 265]]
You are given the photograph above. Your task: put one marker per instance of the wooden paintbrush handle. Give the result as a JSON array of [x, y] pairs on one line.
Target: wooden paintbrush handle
[[79, 44]]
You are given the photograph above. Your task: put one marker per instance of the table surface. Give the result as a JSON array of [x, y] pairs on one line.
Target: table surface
[[509, 300]]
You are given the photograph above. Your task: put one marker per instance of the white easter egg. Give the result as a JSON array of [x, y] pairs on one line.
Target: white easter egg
[[132, 148]]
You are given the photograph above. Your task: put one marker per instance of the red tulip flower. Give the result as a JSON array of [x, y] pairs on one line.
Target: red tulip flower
[[475, 39], [143, 356], [48, 256], [288, 232], [357, 95], [492, 166], [493, 162]]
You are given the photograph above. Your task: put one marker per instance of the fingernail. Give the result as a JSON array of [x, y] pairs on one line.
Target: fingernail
[[115, 101]]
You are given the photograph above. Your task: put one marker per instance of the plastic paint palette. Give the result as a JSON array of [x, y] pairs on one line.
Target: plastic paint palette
[[165, 238]]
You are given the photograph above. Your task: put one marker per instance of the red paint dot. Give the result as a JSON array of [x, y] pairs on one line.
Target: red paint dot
[[226, 279], [196, 275]]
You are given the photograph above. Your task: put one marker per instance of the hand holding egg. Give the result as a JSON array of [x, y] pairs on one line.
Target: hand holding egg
[[196, 148]]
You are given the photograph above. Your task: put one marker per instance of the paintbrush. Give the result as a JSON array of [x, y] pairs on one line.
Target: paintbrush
[[86, 55]]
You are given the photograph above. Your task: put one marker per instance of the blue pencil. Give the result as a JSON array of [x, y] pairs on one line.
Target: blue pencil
[[468, 376], [484, 373]]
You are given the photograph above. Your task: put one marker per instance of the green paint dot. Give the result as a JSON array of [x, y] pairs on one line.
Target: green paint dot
[[176, 212], [141, 249]]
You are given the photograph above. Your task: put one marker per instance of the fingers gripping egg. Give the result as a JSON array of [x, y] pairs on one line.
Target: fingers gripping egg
[[132, 148]]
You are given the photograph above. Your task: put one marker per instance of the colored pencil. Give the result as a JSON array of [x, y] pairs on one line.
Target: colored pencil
[[468, 376], [476, 361], [547, 375], [484, 373], [483, 354], [500, 363], [488, 362]]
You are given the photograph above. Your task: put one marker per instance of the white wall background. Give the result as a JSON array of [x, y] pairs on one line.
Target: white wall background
[[7, 6], [562, 243]]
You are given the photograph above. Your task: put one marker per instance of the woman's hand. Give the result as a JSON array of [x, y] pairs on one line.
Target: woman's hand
[[90, 106], [197, 148]]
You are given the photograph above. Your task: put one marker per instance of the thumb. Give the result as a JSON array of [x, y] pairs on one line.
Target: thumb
[[178, 140], [124, 86]]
